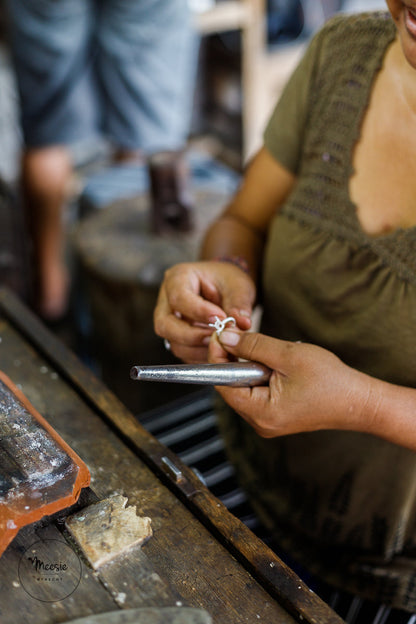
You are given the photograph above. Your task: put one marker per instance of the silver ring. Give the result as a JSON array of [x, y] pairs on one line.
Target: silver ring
[[167, 344]]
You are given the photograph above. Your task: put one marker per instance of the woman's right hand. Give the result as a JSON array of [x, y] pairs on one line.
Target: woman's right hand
[[192, 295]]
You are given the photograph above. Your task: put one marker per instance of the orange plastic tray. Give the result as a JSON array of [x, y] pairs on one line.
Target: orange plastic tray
[[39, 473]]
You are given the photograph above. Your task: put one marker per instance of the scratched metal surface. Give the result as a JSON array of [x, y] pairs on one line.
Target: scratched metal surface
[[30, 459]]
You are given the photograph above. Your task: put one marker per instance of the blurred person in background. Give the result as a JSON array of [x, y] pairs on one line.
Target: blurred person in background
[[88, 69]]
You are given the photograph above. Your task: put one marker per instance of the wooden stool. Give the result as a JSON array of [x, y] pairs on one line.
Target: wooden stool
[[122, 264]]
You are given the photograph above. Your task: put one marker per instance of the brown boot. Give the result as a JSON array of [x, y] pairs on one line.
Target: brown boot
[[171, 208]]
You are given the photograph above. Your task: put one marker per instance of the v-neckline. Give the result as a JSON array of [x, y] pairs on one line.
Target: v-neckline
[[373, 73]]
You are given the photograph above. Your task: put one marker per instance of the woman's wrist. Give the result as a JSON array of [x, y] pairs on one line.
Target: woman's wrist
[[392, 413], [238, 261], [383, 409]]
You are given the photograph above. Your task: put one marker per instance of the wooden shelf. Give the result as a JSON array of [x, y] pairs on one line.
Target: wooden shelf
[[223, 16], [264, 72]]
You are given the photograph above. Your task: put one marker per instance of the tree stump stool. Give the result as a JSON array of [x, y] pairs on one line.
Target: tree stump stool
[[122, 264]]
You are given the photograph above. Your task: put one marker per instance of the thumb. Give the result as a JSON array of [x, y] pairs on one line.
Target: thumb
[[251, 346]]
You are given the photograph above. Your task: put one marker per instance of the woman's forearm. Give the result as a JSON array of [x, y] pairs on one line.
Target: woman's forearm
[[241, 229], [230, 238], [390, 412]]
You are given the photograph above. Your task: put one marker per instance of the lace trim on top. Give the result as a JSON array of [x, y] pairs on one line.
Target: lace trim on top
[[351, 55]]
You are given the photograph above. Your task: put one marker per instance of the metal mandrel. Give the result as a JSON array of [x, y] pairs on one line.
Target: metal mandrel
[[228, 374]]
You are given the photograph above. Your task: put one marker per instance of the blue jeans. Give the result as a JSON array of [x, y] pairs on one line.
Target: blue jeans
[[122, 69]]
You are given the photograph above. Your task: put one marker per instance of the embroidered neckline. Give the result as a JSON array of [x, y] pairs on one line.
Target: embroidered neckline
[[339, 101]]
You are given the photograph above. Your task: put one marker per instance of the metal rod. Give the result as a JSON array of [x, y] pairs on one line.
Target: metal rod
[[228, 374]]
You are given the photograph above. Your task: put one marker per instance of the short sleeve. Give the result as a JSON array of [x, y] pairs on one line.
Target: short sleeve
[[283, 136]]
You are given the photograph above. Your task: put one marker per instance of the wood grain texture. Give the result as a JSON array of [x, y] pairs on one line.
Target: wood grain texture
[[203, 556]]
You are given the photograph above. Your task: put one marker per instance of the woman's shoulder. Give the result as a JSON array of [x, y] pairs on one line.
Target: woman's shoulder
[[356, 26], [346, 39]]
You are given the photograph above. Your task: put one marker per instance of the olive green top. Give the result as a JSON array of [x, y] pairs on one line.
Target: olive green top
[[343, 503]]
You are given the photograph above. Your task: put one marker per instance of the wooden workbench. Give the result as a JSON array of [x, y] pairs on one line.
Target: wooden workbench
[[199, 554]]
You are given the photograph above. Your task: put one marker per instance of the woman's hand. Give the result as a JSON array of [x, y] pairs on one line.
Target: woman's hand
[[192, 295], [310, 388]]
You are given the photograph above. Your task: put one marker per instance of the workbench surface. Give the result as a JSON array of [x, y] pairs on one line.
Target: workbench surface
[[199, 555]]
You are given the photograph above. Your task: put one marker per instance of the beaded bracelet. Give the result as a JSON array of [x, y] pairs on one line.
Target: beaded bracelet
[[236, 260]]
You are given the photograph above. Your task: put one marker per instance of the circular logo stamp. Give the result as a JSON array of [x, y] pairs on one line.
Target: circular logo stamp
[[49, 570]]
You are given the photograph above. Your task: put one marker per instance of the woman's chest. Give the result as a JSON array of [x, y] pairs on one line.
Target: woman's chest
[[383, 183]]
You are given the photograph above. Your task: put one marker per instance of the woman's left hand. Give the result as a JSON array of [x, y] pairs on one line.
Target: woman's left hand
[[310, 388]]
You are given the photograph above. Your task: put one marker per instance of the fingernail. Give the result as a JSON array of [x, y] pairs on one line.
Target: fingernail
[[229, 338], [245, 313], [206, 340], [213, 319]]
